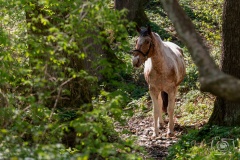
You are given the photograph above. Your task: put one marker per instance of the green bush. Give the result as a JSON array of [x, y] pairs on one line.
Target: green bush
[[61, 80]]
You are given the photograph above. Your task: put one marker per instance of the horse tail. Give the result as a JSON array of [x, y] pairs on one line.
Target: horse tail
[[165, 101]]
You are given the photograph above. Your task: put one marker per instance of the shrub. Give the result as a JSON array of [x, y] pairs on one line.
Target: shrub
[[59, 77]]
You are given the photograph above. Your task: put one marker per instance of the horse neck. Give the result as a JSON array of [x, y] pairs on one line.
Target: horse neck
[[157, 54]]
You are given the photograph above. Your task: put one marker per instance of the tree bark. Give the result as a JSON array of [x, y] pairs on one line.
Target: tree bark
[[135, 10], [225, 112], [211, 78]]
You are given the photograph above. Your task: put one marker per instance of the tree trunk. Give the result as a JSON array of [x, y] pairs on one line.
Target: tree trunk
[[225, 112], [135, 10]]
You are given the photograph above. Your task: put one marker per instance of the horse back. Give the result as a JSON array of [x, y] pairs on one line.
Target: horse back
[[174, 60]]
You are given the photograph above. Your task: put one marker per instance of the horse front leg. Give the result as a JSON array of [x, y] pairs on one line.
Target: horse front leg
[[170, 110], [160, 103], [156, 110]]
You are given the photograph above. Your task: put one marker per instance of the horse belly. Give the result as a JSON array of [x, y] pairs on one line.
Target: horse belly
[[154, 80], [180, 71]]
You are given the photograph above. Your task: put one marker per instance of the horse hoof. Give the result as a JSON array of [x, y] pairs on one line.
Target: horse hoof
[[154, 135], [170, 134]]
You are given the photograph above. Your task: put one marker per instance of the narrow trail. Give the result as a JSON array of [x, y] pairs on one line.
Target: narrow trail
[[157, 148], [141, 127]]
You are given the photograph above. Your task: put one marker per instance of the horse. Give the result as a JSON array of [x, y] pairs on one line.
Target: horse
[[164, 70]]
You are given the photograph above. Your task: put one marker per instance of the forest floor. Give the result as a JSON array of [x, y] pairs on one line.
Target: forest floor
[[157, 148], [141, 127]]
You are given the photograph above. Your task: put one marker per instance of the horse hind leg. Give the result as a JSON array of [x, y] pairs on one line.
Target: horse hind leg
[[164, 96], [170, 110]]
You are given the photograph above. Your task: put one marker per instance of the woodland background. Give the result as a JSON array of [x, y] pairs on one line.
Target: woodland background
[[67, 83]]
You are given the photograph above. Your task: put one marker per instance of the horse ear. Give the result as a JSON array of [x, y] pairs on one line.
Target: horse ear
[[138, 29], [149, 30]]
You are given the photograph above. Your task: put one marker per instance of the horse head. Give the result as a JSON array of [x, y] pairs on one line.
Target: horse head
[[143, 46]]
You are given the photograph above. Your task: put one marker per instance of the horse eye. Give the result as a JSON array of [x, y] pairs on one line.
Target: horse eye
[[147, 42]]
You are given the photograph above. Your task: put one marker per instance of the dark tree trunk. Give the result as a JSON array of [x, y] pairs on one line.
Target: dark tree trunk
[[135, 10], [225, 112]]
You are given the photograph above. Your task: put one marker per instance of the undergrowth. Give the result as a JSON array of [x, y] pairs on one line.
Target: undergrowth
[[209, 143], [62, 89]]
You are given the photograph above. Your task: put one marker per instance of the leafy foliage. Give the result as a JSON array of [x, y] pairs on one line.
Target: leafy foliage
[[55, 55], [208, 143]]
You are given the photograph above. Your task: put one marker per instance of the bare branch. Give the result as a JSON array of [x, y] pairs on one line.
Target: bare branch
[[211, 78], [58, 96]]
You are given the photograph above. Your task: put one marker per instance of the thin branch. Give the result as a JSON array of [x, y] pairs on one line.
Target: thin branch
[[58, 97], [56, 102], [211, 78]]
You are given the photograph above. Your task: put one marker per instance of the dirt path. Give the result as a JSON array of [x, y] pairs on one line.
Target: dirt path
[[157, 148]]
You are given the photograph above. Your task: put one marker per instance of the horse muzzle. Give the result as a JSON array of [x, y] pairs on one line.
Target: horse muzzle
[[136, 61]]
